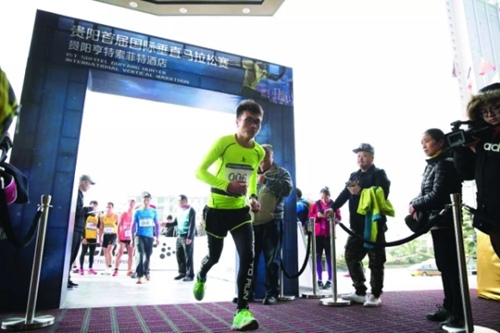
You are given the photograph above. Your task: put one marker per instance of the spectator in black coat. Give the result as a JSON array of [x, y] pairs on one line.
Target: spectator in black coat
[[440, 179], [80, 215]]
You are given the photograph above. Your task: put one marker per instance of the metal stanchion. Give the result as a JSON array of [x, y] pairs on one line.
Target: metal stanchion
[[282, 297], [462, 270], [314, 294], [30, 322], [334, 301]]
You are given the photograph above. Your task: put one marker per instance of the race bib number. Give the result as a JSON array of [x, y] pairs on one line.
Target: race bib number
[[146, 222], [109, 230], [91, 226], [238, 172], [128, 233]]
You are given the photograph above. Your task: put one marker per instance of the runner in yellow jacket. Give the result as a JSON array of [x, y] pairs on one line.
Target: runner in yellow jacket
[[233, 162]]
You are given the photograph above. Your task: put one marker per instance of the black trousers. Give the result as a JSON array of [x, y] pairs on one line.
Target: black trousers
[[445, 252], [355, 252], [75, 246], [90, 247], [184, 255], [144, 247], [268, 242], [243, 240]]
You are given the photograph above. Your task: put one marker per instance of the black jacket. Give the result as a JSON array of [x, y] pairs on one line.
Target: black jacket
[[439, 181], [371, 177], [484, 167], [81, 213]]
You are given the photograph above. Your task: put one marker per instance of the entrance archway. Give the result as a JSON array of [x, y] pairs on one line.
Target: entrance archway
[[67, 56]]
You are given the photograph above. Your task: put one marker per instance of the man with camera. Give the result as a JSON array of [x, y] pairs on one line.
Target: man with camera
[[355, 250], [478, 157]]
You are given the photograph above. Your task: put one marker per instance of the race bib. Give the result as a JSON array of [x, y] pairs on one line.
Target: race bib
[[109, 230], [128, 233], [237, 172], [91, 226], [146, 222]]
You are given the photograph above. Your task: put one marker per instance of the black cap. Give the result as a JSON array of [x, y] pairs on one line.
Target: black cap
[[87, 178], [365, 147]]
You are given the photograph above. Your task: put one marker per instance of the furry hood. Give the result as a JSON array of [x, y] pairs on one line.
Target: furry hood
[[487, 95]]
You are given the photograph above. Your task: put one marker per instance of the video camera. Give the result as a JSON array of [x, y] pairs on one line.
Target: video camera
[[458, 137]]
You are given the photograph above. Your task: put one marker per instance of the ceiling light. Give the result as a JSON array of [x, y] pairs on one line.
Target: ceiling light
[[202, 7]]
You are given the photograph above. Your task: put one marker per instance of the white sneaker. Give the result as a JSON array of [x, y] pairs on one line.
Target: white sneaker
[[373, 301], [355, 298]]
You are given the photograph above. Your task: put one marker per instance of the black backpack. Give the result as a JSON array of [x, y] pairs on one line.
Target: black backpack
[[303, 215], [15, 183]]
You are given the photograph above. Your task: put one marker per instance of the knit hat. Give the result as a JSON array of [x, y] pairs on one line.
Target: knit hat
[[486, 95]]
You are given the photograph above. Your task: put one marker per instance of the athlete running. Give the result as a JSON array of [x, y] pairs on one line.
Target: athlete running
[[89, 241], [108, 230], [236, 159], [124, 238], [146, 229]]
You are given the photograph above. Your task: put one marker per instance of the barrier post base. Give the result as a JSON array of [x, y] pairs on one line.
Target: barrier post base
[[20, 324], [285, 298], [313, 296], [476, 329], [330, 301]]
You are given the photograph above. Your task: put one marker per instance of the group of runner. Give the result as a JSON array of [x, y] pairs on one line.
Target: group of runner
[[114, 232]]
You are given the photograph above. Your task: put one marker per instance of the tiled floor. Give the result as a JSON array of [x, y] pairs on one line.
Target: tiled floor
[[105, 290]]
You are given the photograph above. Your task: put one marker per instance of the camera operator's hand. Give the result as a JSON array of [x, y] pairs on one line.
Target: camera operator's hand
[[472, 144]]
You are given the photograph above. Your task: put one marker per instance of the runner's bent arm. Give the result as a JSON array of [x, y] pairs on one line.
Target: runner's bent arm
[[202, 172], [120, 222], [134, 226], [252, 185], [101, 230], [157, 228]]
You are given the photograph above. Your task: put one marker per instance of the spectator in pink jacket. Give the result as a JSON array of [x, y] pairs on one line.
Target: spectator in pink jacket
[[322, 211]]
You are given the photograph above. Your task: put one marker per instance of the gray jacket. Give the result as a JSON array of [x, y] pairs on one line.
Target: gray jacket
[[276, 187]]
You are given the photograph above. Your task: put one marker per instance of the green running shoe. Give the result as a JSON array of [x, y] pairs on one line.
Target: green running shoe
[[199, 288], [244, 321]]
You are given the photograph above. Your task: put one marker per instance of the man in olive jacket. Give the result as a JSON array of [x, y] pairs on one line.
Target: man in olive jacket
[[274, 185]]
